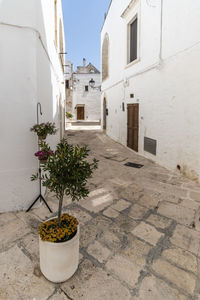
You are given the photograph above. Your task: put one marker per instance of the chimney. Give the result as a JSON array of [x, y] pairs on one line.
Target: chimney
[[84, 62]]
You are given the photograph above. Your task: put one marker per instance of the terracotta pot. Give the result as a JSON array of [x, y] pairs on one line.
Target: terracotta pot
[[59, 261], [42, 137], [43, 161]]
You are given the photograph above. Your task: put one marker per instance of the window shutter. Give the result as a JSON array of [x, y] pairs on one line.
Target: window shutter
[[133, 41]]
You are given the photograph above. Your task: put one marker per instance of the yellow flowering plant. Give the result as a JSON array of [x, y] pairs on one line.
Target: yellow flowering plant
[[50, 231]]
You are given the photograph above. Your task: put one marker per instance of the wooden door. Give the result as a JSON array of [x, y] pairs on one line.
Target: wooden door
[[132, 126], [80, 113]]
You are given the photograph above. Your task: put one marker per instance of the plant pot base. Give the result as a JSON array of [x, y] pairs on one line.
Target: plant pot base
[[54, 279], [59, 261]]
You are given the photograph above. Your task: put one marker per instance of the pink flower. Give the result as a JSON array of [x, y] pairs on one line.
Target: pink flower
[[43, 154]]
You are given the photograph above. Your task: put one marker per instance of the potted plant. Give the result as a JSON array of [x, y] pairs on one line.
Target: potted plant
[[44, 153], [43, 129], [66, 173], [69, 115]]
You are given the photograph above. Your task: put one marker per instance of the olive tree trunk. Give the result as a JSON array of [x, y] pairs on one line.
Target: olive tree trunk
[[60, 209]]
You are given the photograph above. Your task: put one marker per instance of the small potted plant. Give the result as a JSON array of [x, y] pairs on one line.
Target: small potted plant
[[44, 129], [66, 173], [44, 153], [69, 115]]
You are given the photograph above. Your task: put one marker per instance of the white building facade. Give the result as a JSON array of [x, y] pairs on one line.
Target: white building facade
[[32, 36], [68, 85], [84, 101], [150, 80]]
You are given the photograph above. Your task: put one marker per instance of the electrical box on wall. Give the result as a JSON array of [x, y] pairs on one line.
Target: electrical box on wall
[[150, 145]]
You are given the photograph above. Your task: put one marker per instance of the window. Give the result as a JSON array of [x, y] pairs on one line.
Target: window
[[133, 38], [67, 84], [86, 88]]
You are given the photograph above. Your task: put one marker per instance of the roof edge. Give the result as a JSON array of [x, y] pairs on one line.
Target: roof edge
[[106, 15]]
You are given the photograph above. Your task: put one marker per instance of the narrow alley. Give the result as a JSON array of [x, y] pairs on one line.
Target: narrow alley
[[139, 233]]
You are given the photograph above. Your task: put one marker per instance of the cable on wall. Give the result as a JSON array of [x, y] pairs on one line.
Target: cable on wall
[[40, 39]]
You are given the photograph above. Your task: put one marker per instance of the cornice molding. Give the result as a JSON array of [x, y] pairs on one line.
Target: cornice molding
[[126, 11]]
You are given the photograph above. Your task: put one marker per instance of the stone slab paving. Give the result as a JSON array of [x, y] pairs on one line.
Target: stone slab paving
[[111, 213], [139, 234], [147, 233]]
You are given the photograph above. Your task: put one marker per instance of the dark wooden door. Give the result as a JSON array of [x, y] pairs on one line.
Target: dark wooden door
[[132, 126], [80, 113]]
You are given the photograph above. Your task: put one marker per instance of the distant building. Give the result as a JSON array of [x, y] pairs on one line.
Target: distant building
[[32, 40], [150, 80], [68, 85], [83, 100]]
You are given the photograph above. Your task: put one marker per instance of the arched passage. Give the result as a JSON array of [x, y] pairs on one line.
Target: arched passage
[[61, 46]]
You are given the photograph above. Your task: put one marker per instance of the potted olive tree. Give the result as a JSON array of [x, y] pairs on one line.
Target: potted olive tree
[[66, 172]]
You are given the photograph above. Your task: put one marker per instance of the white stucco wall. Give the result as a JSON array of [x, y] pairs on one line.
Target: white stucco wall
[[91, 99], [68, 91], [165, 80], [30, 73]]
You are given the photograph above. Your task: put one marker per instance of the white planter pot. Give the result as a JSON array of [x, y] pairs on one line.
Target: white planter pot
[[59, 261]]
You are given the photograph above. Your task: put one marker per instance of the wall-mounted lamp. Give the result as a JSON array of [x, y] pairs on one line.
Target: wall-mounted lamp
[[92, 85]]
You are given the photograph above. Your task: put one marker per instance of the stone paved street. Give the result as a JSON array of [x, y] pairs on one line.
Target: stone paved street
[[140, 234]]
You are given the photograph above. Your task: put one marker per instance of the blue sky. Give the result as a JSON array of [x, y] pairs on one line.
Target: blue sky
[[83, 20]]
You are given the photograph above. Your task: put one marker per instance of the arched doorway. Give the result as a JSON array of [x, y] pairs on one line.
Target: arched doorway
[[61, 45], [104, 113]]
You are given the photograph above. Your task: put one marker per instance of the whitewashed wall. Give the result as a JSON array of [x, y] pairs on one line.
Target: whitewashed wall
[[91, 99], [165, 80], [69, 91], [30, 72]]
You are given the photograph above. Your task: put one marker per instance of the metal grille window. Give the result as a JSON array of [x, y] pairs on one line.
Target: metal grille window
[[133, 40], [67, 84]]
